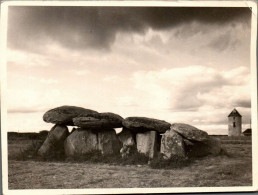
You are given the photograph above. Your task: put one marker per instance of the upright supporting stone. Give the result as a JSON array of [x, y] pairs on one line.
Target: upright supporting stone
[[56, 137], [147, 143], [172, 144], [80, 142], [108, 142]]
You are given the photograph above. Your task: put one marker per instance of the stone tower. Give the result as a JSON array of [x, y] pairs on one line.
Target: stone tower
[[234, 123]]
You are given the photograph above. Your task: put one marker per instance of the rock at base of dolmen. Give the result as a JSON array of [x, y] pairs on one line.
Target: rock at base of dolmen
[[55, 138], [126, 137], [81, 142], [141, 124], [147, 143], [98, 121], [189, 132], [128, 140], [172, 144], [204, 148], [126, 151], [108, 142], [64, 115]]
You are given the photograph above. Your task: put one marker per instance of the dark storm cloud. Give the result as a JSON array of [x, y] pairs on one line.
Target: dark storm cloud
[[96, 27], [222, 42]]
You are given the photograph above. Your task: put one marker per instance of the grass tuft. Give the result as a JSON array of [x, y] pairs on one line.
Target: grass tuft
[[95, 156], [134, 158], [224, 152], [174, 162], [91, 156]]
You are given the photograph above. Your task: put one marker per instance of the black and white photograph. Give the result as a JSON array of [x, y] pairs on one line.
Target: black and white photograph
[[102, 97]]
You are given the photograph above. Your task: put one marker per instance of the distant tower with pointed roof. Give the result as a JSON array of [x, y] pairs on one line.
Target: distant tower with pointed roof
[[234, 123]]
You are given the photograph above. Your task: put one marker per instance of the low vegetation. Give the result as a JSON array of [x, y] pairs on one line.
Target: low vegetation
[[173, 163], [233, 167], [28, 153], [95, 156]]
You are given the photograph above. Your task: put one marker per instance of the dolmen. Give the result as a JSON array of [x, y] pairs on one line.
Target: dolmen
[[94, 131]]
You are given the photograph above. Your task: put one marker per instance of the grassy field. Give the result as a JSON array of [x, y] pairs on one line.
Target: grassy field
[[234, 169]]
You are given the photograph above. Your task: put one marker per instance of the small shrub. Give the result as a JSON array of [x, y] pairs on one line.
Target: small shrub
[[29, 152], [134, 157], [43, 134], [224, 152], [31, 136], [91, 156], [95, 156], [174, 162], [111, 159]]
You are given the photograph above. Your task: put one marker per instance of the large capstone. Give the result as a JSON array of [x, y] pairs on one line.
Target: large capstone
[[142, 124], [64, 115], [54, 140], [108, 142], [202, 148], [172, 144], [81, 142], [98, 121], [147, 143], [189, 132]]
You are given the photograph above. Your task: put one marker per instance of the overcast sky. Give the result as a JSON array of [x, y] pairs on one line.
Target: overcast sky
[[188, 65]]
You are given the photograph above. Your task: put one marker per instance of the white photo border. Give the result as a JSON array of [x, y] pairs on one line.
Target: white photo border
[[253, 45]]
